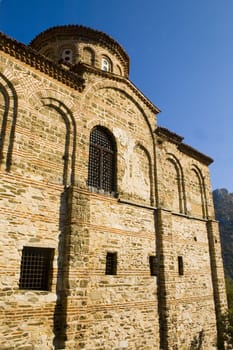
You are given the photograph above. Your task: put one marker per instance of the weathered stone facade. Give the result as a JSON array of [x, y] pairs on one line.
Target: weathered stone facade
[[52, 94]]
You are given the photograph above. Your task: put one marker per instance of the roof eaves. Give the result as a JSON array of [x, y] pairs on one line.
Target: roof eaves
[[178, 140], [31, 57], [83, 67]]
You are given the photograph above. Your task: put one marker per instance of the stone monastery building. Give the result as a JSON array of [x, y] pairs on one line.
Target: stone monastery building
[[108, 236]]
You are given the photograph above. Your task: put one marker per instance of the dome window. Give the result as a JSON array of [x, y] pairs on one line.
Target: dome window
[[106, 64], [67, 55]]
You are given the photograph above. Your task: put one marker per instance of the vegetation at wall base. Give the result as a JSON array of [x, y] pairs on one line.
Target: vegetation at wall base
[[226, 321], [223, 204]]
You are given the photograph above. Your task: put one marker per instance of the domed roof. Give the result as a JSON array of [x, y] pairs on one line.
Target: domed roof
[[81, 34]]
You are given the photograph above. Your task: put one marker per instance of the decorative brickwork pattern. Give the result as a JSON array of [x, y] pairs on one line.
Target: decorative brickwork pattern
[[157, 227]]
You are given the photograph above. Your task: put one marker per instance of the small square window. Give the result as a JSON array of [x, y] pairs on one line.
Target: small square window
[[111, 264], [180, 265], [36, 268], [152, 262]]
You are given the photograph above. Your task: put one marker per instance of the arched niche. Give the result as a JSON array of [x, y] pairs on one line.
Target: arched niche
[[88, 56], [49, 142], [175, 185], [197, 192], [118, 70], [8, 116], [67, 140], [140, 175]]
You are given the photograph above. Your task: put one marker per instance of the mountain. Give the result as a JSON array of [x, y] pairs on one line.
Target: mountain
[[223, 204]]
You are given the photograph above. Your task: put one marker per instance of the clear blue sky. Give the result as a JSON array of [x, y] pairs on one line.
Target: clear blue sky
[[181, 58]]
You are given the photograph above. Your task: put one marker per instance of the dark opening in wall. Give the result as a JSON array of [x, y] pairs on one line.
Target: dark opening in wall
[[111, 264], [180, 265], [102, 160], [36, 268], [152, 262]]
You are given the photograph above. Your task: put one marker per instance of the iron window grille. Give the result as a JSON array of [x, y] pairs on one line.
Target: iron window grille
[[111, 264], [101, 167], [36, 268], [152, 262]]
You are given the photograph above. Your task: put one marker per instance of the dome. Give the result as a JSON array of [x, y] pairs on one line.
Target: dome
[[73, 44]]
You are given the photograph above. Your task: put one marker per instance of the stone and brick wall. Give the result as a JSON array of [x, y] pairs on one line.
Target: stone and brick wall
[[186, 214], [162, 207]]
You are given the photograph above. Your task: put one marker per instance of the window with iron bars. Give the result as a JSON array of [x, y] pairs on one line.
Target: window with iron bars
[[36, 268], [101, 167]]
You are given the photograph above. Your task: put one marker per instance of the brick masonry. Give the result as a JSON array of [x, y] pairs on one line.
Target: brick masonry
[[163, 207]]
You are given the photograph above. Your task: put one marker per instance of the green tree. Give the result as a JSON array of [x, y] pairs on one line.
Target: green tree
[[227, 318]]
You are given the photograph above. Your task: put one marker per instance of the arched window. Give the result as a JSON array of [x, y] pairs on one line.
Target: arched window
[[106, 64], [102, 164], [67, 55]]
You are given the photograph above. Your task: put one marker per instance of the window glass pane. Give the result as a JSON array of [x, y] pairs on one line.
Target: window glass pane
[[106, 65]]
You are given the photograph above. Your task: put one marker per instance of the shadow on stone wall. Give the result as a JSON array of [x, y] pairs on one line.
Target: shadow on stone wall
[[9, 116], [62, 286], [162, 293], [66, 199], [197, 342]]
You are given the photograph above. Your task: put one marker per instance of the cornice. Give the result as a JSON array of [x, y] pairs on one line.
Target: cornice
[[70, 76], [82, 32], [177, 139], [168, 135], [195, 154], [31, 57], [83, 67]]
